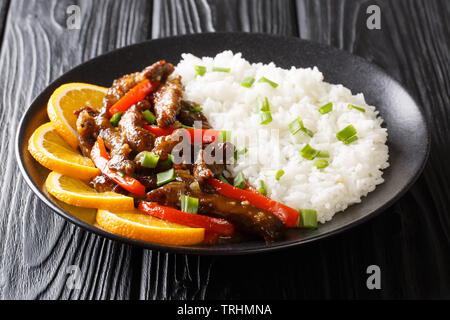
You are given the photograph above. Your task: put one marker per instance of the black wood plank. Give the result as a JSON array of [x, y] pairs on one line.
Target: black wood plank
[[37, 245]]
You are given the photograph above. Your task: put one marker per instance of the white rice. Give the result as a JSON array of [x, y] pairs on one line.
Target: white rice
[[354, 169]]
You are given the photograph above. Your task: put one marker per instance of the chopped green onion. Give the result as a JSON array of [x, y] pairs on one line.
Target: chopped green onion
[[239, 181], [189, 204], [218, 69], [297, 125], [279, 174], [116, 118], [239, 153], [149, 160], [307, 219], [351, 106], [201, 70], [323, 154], [224, 136], [186, 127], [347, 135], [262, 187], [165, 177], [222, 178], [308, 152], [326, 108], [149, 116], [247, 82], [193, 108], [169, 161], [264, 79], [351, 139], [266, 117], [320, 164]]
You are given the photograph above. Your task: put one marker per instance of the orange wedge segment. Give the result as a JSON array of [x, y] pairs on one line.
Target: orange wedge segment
[[136, 225], [54, 153], [77, 193], [69, 98]]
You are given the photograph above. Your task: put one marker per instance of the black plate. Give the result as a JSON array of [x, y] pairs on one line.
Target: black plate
[[408, 134]]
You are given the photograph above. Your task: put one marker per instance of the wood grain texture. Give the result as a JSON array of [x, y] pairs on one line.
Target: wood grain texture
[[38, 245], [410, 241]]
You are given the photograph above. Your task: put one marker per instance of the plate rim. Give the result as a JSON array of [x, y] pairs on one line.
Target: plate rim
[[212, 250]]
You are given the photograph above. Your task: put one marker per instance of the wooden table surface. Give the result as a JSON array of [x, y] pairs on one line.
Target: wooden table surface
[[410, 242]]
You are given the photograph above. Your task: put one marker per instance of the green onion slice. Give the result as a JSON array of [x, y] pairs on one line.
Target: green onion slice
[[165, 177], [297, 125], [189, 204], [264, 79], [279, 174], [239, 153], [320, 164], [239, 181], [149, 160], [347, 135], [186, 127], [309, 153], [201, 70], [149, 116], [326, 108], [266, 117], [193, 108], [224, 136], [351, 106], [222, 178], [307, 219], [248, 82], [218, 69], [262, 187], [116, 118]]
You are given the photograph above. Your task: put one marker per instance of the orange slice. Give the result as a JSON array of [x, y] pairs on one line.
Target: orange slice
[[54, 153], [77, 193], [69, 98], [136, 225]]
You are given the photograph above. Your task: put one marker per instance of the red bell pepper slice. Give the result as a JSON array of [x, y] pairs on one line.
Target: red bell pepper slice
[[207, 135], [100, 158], [210, 224], [286, 214], [136, 94]]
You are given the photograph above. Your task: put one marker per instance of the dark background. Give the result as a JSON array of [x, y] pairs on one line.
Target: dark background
[[410, 242]]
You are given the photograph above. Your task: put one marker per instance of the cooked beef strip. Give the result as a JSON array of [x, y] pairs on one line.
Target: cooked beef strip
[[102, 183], [244, 215], [149, 181], [159, 71], [201, 170], [87, 130], [130, 126], [165, 144], [188, 117], [167, 102]]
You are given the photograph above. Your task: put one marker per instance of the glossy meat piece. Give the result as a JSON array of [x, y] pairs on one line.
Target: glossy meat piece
[[130, 126], [117, 144], [188, 117], [87, 130], [167, 102], [165, 144], [245, 216], [159, 71], [201, 171], [102, 183]]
